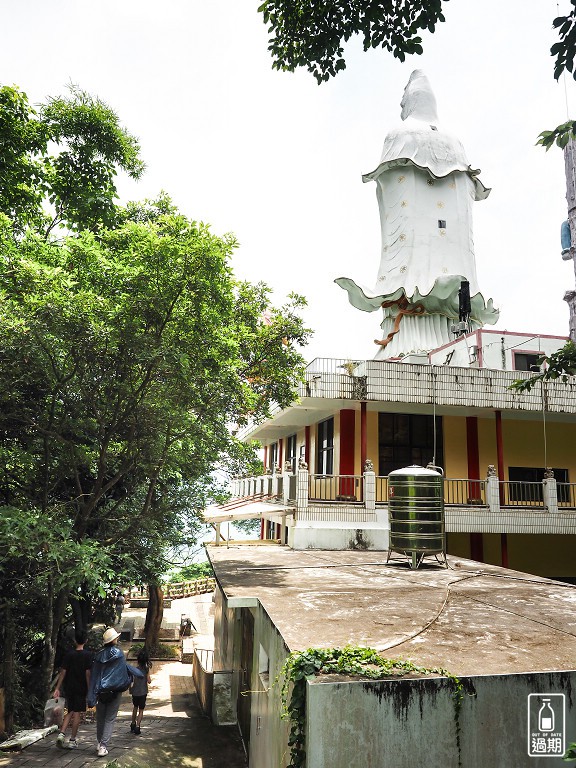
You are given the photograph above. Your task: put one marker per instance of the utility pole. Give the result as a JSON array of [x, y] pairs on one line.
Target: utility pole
[[569, 229]]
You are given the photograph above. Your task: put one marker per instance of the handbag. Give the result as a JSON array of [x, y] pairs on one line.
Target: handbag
[[105, 696], [54, 712]]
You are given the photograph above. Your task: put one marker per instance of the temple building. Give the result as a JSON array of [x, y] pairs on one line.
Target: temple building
[[437, 394], [438, 390]]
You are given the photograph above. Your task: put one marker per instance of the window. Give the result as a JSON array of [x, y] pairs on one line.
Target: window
[[405, 439], [272, 456], [325, 448], [526, 361], [520, 476], [291, 451], [441, 224]]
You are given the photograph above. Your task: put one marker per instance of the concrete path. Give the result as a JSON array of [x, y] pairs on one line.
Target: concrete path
[[174, 730]]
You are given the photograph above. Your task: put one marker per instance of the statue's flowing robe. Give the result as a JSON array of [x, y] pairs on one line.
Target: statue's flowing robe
[[425, 190]]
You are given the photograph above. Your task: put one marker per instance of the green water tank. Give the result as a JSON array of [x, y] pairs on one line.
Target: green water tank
[[416, 510]]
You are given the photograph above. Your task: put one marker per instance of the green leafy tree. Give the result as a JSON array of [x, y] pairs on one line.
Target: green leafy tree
[[559, 365], [312, 34], [58, 163], [127, 353]]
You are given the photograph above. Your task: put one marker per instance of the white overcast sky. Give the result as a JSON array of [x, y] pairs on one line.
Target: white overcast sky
[[277, 159]]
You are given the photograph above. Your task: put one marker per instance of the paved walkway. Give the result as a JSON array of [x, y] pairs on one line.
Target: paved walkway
[[174, 730]]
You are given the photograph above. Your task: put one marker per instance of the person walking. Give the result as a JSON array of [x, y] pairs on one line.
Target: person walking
[[139, 691], [73, 680], [111, 675], [119, 606]]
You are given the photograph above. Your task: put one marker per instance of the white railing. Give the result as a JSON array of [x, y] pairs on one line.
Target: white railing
[[302, 489]]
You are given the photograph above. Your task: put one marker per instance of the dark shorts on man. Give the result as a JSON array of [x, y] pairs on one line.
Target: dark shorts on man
[[76, 702], [139, 701]]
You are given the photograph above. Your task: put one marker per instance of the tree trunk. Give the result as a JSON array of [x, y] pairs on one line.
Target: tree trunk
[[55, 609], [154, 616], [81, 610]]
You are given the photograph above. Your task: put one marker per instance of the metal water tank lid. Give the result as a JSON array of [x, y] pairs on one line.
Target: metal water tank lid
[[415, 469]]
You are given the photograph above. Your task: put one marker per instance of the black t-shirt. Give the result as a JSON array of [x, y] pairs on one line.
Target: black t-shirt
[[76, 663]]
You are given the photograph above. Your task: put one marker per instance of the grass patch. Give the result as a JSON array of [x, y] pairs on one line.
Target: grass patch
[[160, 651]]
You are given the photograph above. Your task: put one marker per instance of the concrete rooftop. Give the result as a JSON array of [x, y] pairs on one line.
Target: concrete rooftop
[[470, 618]]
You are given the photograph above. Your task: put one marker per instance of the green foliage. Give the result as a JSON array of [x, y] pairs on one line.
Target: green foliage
[[160, 651], [559, 136], [247, 526], [192, 571], [570, 752], [311, 34], [61, 158], [559, 365], [353, 661]]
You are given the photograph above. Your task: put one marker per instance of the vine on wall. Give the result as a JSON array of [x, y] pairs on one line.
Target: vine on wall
[[351, 661]]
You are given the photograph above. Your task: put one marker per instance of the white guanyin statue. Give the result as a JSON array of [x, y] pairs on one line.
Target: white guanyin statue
[[425, 189]]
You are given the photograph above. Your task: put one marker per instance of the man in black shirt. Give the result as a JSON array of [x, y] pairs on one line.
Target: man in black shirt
[[75, 675]]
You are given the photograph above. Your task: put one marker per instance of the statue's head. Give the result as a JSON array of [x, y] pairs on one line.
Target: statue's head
[[418, 100]]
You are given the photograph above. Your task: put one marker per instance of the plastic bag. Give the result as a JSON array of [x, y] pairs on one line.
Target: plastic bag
[[54, 712]]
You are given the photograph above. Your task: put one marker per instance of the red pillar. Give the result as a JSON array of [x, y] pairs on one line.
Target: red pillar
[[347, 450], [280, 452], [473, 454]]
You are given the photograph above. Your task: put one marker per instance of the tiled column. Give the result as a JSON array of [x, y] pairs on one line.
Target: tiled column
[[302, 489], [493, 490], [550, 491], [369, 487]]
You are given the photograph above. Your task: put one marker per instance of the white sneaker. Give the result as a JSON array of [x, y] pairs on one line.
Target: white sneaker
[[61, 741], [102, 750], [72, 744]]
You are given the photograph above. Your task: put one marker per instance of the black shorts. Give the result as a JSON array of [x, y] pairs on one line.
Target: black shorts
[[76, 702], [139, 701]]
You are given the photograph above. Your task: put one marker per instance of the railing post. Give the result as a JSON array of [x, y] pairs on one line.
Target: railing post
[[369, 486], [302, 486], [286, 482], [550, 491], [493, 489]]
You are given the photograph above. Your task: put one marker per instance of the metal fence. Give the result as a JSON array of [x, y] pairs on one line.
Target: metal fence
[[292, 488], [567, 495], [381, 489], [515, 493], [465, 492], [346, 488]]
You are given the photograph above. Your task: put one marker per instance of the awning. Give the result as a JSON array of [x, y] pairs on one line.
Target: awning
[[244, 509]]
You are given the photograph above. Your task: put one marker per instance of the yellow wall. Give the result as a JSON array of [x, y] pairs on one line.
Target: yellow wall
[[544, 555], [455, 460], [523, 444], [372, 438]]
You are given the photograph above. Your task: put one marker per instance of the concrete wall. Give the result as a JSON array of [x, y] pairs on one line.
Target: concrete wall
[[345, 536], [405, 723], [268, 732]]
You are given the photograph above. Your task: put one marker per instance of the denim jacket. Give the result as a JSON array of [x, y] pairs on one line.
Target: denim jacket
[[110, 672]]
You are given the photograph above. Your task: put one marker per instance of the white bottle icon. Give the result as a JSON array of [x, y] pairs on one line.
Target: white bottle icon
[[546, 716]]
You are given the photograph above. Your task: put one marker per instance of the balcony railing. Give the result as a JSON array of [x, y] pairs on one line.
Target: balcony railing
[[340, 488], [465, 492], [521, 494], [567, 495], [369, 490]]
